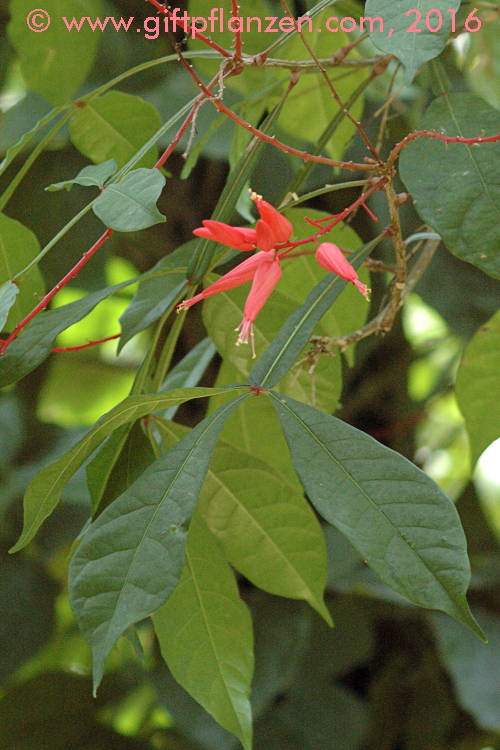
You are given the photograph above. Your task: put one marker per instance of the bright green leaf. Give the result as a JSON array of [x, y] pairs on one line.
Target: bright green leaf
[[399, 520], [456, 187], [267, 530], [54, 62], [115, 126], [8, 294], [142, 532], [18, 246], [205, 634], [93, 176], [477, 387], [413, 48], [130, 205], [44, 492]]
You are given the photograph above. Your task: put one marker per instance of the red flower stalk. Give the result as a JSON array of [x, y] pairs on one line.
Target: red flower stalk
[[266, 277], [329, 256], [239, 238]]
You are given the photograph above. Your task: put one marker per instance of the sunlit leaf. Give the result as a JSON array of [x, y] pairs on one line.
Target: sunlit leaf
[[477, 387], [54, 61], [115, 126], [18, 246]]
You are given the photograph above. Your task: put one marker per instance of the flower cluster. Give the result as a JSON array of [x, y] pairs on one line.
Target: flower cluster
[[271, 234]]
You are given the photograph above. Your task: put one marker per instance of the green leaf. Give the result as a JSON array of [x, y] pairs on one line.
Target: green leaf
[[155, 295], [413, 48], [115, 126], [93, 176], [476, 387], [456, 187], [54, 62], [311, 93], [44, 492], [399, 520], [130, 205], [18, 246], [8, 294], [142, 532], [296, 331], [255, 428], [473, 667], [23, 141], [35, 343], [267, 530], [205, 635]]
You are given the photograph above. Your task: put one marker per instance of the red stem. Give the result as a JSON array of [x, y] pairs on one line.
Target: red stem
[[45, 300], [237, 34], [440, 137], [189, 29], [85, 346]]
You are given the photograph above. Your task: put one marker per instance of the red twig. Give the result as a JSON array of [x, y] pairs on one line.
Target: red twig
[[85, 346], [237, 34], [439, 136], [271, 139], [45, 300], [186, 26], [333, 91]]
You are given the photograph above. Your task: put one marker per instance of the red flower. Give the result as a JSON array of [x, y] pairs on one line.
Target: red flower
[[266, 277], [329, 256], [239, 238], [280, 227]]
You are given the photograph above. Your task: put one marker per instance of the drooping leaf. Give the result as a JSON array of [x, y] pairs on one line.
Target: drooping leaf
[[295, 332], [456, 187], [34, 344], [115, 126], [18, 247], [131, 558], [54, 61], [8, 294], [205, 634], [477, 387], [154, 296], [406, 29], [399, 520], [44, 492], [266, 528], [130, 205], [93, 176]]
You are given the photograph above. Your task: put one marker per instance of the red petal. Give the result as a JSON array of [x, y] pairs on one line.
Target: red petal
[[281, 227]]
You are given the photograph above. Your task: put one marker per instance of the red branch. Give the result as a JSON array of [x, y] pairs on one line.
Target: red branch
[[45, 300], [85, 346], [237, 34], [185, 26], [440, 137]]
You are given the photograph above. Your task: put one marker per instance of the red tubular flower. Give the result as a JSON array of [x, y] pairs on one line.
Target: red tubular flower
[[266, 277], [239, 238], [329, 256], [280, 226], [241, 274]]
